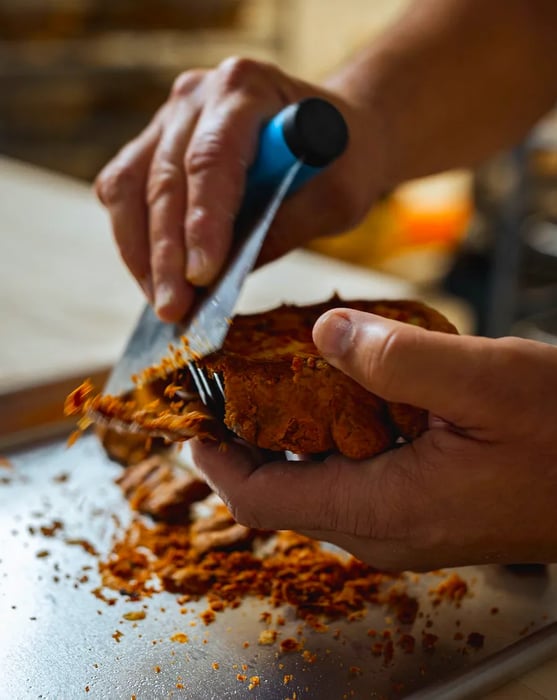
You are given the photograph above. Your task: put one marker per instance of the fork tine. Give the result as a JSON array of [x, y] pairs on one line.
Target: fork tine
[[206, 384], [219, 384], [195, 372], [210, 389]]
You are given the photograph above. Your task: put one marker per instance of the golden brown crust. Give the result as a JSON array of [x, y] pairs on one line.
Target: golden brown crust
[[280, 393]]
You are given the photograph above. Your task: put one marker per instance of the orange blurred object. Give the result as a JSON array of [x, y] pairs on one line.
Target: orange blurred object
[[436, 209], [418, 226]]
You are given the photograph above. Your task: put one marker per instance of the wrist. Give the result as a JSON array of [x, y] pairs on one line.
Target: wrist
[[363, 86]]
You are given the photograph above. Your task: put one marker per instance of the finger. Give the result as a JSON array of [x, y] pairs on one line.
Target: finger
[[311, 496], [166, 197], [462, 379], [305, 497], [367, 508], [120, 186], [221, 150], [410, 508]]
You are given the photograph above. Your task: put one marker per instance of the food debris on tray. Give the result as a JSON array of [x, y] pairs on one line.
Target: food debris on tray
[[268, 365]]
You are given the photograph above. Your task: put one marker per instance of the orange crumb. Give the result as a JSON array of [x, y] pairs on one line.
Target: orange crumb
[[208, 616], [135, 615], [267, 637], [475, 640], [453, 588], [180, 637], [290, 644]]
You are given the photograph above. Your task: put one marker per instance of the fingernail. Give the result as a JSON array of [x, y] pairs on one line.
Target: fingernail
[[164, 296], [333, 334], [146, 284], [197, 264]]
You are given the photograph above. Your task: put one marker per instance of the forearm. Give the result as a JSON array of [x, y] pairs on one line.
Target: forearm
[[455, 80]]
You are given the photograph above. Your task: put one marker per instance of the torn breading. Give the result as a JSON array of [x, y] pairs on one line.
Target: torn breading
[[280, 394]]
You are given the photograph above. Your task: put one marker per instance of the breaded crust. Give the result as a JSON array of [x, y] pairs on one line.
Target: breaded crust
[[280, 393]]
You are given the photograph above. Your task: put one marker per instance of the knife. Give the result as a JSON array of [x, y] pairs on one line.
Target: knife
[[294, 146]]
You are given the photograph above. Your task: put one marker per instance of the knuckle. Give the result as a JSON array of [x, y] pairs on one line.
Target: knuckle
[[234, 71], [198, 227], [246, 74], [116, 182], [186, 83], [207, 153], [164, 179], [162, 250], [509, 351], [488, 381], [535, 364]]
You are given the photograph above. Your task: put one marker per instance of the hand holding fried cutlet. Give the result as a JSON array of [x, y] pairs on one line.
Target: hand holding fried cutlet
[[479, 486]]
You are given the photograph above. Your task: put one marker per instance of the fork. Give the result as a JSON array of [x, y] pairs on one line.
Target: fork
[[209, 388]]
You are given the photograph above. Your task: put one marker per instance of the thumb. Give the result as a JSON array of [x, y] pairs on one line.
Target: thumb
[[455, 377]]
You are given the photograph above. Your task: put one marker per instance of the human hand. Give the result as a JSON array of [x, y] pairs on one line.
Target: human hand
[[479, 486], [173, 193]]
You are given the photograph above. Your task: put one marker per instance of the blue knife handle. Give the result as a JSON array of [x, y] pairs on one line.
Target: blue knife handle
[[313, 131]]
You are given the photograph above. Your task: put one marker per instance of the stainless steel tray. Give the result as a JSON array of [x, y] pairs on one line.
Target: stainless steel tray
[[56, 637]]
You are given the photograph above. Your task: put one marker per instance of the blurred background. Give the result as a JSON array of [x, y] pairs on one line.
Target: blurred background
[[78, 78]]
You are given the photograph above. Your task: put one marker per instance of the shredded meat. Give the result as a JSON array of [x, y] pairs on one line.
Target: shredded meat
[[159, 488], [220, 531]]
